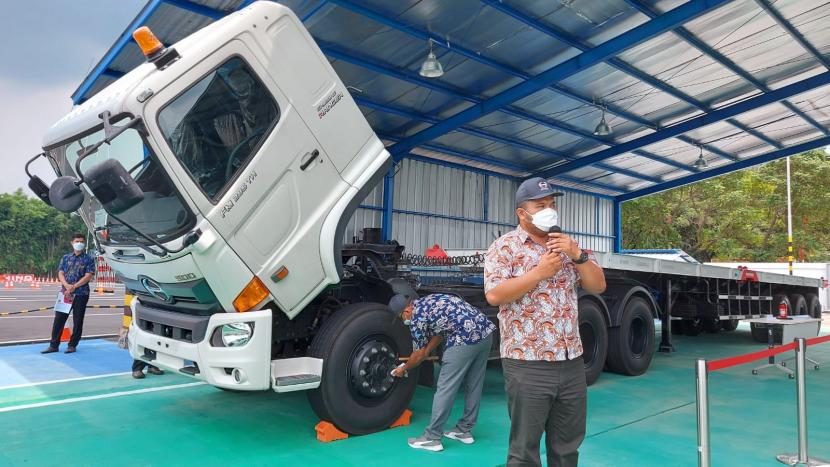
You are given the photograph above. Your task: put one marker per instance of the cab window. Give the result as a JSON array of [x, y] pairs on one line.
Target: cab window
[[216, 126]]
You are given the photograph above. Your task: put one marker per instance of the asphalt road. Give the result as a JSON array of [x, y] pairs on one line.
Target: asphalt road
[[37, 325]]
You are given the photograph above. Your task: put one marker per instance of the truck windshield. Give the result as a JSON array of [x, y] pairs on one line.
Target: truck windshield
[[161, 215]]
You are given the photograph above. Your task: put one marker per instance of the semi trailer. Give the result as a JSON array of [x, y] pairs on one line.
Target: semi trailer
[[218, 179]]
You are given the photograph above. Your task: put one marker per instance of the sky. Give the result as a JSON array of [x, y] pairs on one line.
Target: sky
[[49, 46]]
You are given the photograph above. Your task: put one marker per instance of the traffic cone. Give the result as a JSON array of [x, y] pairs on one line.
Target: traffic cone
[[65, 335]]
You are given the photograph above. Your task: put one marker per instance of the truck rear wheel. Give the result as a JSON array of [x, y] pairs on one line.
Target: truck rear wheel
[[813, 305], [799, 305], [729, 324], [593, 331], [631, 345], [360, 345]]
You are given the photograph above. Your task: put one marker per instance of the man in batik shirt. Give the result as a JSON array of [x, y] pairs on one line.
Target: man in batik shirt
[[532, 275]]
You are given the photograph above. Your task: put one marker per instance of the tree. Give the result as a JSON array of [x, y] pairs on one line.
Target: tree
[[740, 216], [33, 235]]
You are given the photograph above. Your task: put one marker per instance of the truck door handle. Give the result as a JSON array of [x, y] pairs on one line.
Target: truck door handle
[[309, 159]]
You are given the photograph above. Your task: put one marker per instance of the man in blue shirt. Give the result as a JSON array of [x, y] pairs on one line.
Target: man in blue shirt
[[467, 336], [75, 271]]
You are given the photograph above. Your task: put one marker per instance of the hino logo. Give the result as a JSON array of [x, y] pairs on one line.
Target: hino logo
[[155, 289]]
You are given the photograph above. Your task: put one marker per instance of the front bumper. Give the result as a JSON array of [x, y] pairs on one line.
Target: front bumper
[[216, 365]]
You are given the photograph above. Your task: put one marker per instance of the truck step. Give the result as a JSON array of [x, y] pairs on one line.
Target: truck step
[[291, 380]]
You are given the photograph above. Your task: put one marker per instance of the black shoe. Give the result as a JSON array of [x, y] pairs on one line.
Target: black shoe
[[155, 371], [70, 350], [49, 350], [138, 374]]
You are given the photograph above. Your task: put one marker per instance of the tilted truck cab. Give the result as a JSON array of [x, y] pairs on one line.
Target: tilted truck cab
[[240, 155]]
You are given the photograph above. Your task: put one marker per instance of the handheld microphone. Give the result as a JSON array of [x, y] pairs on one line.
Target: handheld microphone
[[554, 229]]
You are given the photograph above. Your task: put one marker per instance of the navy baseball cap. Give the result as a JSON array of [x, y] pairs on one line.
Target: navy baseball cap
[[534, 188], [398, 303]]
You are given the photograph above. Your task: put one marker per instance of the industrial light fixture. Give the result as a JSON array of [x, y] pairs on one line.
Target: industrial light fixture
[[602, 128], [701, 163], [431, 68]]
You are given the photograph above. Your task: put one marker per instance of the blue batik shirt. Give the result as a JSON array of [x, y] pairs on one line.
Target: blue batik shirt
[[74, 267], [458, 322]]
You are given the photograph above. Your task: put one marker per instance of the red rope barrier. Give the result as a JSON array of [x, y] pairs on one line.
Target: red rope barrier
[[716, 365], [818, 340]]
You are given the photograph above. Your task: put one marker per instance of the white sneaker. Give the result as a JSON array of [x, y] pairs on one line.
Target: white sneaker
[[457, 435], [433, 445]]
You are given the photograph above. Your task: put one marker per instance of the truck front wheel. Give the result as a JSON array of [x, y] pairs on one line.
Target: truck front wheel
[[360, 345]]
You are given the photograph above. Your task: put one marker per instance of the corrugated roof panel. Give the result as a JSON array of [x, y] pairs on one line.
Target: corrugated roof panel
[[494, 150]]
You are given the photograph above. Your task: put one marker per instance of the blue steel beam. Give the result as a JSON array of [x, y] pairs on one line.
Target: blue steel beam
[[506, 140], [697, 122], [617, 214], [80, 94], [793, 32], [202, 10], [483, 159], [410, 77], [626, 68], [509, 70], [726, 62], [585, 60], [725, 169], [388, 202]]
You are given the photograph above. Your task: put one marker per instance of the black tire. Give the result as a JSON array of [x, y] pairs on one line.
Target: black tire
[[729, 324], [631, 344], [593, 331], [813, 305], [693, 326], [799, 305], [351, 334]]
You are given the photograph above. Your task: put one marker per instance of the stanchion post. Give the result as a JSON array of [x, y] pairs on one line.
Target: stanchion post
[[702, 380], [802, 458]]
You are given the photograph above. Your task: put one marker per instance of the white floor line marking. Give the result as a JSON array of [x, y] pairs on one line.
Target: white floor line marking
[[67, 380], [52, 316], [99, 396]]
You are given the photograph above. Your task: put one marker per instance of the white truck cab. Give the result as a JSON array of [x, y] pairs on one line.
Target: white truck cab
[[218, 178]]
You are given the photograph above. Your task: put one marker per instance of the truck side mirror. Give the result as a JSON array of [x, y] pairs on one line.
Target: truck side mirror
[[39, 188], [113, 186], [65, 195]]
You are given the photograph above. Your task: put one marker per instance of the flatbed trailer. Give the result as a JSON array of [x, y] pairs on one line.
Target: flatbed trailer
[[617, 327]]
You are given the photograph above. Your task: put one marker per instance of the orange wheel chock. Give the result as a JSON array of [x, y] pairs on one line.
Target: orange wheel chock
[[327, 432], [403, 420]]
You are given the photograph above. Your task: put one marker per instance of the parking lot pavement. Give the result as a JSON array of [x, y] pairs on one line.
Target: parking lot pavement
[[103, 314]]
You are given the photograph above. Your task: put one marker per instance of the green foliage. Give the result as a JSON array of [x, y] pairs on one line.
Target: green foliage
[[33, 235], [740, 216]]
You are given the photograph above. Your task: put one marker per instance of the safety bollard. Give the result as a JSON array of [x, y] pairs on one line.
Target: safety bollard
[[702, 380], [802, 458]]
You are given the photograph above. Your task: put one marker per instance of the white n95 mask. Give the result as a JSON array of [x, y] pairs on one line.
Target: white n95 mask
[[545, 219]]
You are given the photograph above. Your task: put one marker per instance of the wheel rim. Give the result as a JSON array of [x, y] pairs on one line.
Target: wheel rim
[[589, 342], [637, 337], [369, 376]]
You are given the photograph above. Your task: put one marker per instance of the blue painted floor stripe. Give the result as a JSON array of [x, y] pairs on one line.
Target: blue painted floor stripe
[[24, 364]]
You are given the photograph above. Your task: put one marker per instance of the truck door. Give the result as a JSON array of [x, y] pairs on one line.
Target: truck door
[[253, 167]]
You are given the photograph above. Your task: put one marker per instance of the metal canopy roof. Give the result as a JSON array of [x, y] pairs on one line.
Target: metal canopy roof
[[743, 81]]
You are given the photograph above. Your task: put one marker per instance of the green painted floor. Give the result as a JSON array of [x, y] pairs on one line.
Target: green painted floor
[[644, 421]]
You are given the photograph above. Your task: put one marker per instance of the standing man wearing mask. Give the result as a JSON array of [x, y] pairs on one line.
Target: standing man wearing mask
[[532, 276], [75, 271], [467, 334]]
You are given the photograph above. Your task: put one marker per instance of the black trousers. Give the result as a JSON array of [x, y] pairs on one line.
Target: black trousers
[[547, 398], [138, 365], [78, 312]]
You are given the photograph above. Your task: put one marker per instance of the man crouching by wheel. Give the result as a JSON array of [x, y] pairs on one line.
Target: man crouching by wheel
[[467, 336]]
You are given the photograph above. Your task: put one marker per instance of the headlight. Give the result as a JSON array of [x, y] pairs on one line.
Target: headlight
[[237, 334]]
